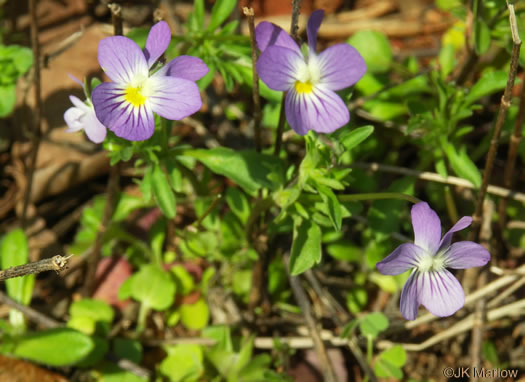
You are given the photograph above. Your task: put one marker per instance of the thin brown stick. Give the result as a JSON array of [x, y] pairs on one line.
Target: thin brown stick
[[434, 177], [30, 313], [334, 309], [510, 165], [505, 104], [49, 323], [36, 122], [515, 309], [116, 18], [487, 290], [55, 263], [111, 190], [257, 116], [280, 128], [300, 295]]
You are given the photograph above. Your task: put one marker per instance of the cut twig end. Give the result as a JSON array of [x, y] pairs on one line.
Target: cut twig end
[[248, 11]]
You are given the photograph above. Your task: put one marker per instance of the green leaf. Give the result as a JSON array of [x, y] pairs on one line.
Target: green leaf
[[490, 353], [185, 281], [389, 284], [383, 369], [447, 59], [334, 207], [128, 348], [489, 83], [7, 99], [54, 347], [390, 362], [22, 58], [153, 287], [396, 355], [184, 363], [14, 251], [96, 354], [372, 324], [249, 169], [356, 299], [306, 247], [356, 136], [345, 250], [195, 316], [126, 205], [197, 17], [163, 192], [348, 329], [385, 215], [375, 49], [463, 165], [220, 12], [238, 203], [97, 310], [481, 37]]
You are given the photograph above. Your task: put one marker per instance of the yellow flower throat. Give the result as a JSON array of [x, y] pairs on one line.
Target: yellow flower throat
[[134, 96], [303, 87]]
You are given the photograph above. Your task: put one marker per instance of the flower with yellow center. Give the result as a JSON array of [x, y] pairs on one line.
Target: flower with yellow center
[[126, 105], [309, 79]]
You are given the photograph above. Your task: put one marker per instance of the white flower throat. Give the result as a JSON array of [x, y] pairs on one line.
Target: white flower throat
[[308, 75], [431, 263]]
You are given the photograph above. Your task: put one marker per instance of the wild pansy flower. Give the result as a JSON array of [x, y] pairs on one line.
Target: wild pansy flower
[[82, 117], [430, 283], [310, 79], [127, 104]]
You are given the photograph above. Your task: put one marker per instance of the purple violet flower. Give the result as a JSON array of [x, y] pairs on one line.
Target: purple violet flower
[[127, 104], [430, 283], [310, 80], [82, 117]]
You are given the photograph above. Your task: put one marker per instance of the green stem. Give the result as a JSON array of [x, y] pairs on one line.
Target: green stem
[[141, 321], [280, 129], [366, 196]]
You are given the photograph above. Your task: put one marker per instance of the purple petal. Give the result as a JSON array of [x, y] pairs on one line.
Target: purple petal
[[321, 110], [341, 66], [122, 59], [409, 303], [463, 223], [121, 117], [174, 98], [403, 258], [278, 67], [427, 227], [76, 80], [440, 292], [159, 38], [466, 254], [187, 67], [268, 34], [314, 22]]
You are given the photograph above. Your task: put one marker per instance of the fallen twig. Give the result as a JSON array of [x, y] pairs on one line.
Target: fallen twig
[[302, 300], [515, 309], [505, 104], [55, 263], [434, 177]]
